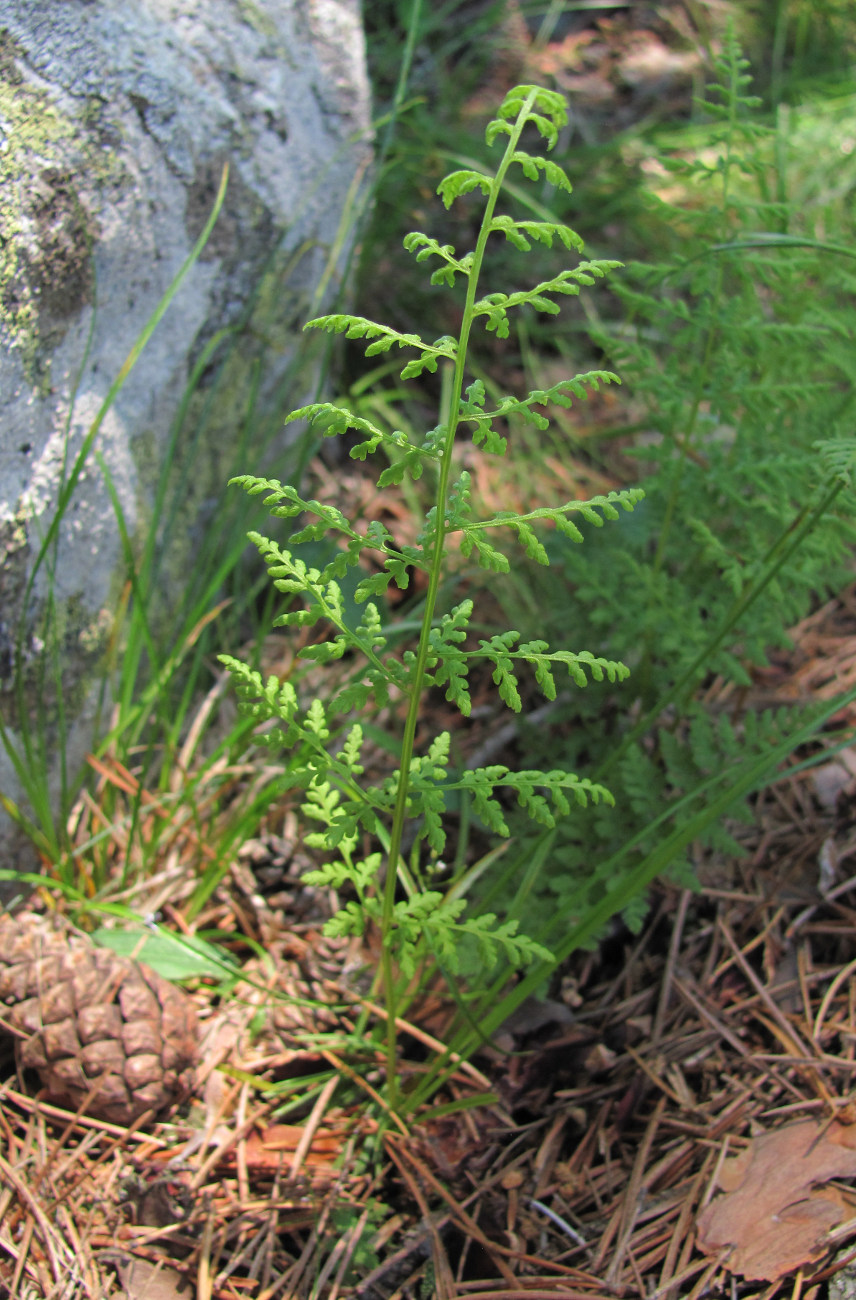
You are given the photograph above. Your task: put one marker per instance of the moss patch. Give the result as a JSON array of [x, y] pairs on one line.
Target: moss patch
[[14, 556], [46, 231]]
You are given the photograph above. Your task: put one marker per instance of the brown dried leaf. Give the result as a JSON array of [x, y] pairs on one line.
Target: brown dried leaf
[[775, 1214], [145, 1281]]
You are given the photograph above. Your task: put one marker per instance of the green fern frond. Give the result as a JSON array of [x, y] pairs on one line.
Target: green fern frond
[[559, 394], [330, 420], [446, 661], [483, 783], [495, 306], [519, 233], [533, 165], [461, 182], [381, 680], [487, 556], [548, 103], [625, 498], [384, 338], [429, 247], [492, 940], [838, 456]]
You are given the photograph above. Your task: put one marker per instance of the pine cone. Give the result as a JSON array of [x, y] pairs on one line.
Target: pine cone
[[103, 1031]]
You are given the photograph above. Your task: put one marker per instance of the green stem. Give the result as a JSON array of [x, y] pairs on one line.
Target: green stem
[[435, 573]]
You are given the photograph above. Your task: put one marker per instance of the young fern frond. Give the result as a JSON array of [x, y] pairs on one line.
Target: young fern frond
[[376, 538], [333, 421], [493, 940], [496, 306], [384, 338], [342, 809], [489, 557], [428, 247], [533, 166], [519, 233]]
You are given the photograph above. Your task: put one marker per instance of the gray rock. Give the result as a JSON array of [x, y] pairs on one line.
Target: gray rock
[[116, 117]]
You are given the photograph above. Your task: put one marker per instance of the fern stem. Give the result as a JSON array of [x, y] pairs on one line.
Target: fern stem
[[417, 681]]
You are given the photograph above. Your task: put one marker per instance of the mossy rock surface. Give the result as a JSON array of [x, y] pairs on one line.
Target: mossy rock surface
[[115, 124]]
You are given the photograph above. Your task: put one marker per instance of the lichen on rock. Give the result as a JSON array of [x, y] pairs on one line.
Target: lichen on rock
[[115, 123]]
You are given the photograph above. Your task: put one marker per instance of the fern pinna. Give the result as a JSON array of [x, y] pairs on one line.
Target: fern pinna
[[347, 814]]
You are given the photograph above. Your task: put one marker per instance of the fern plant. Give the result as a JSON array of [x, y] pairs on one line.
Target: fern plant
[[737, 344], [364, 827]]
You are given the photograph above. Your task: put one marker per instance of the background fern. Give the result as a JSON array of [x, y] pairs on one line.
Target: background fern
[[736, 348]]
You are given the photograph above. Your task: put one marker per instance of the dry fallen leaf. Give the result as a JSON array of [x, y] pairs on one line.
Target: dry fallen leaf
[[145, 1281], [776, 1214]]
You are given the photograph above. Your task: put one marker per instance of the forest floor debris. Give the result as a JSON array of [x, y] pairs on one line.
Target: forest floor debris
[[729, 1018]]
